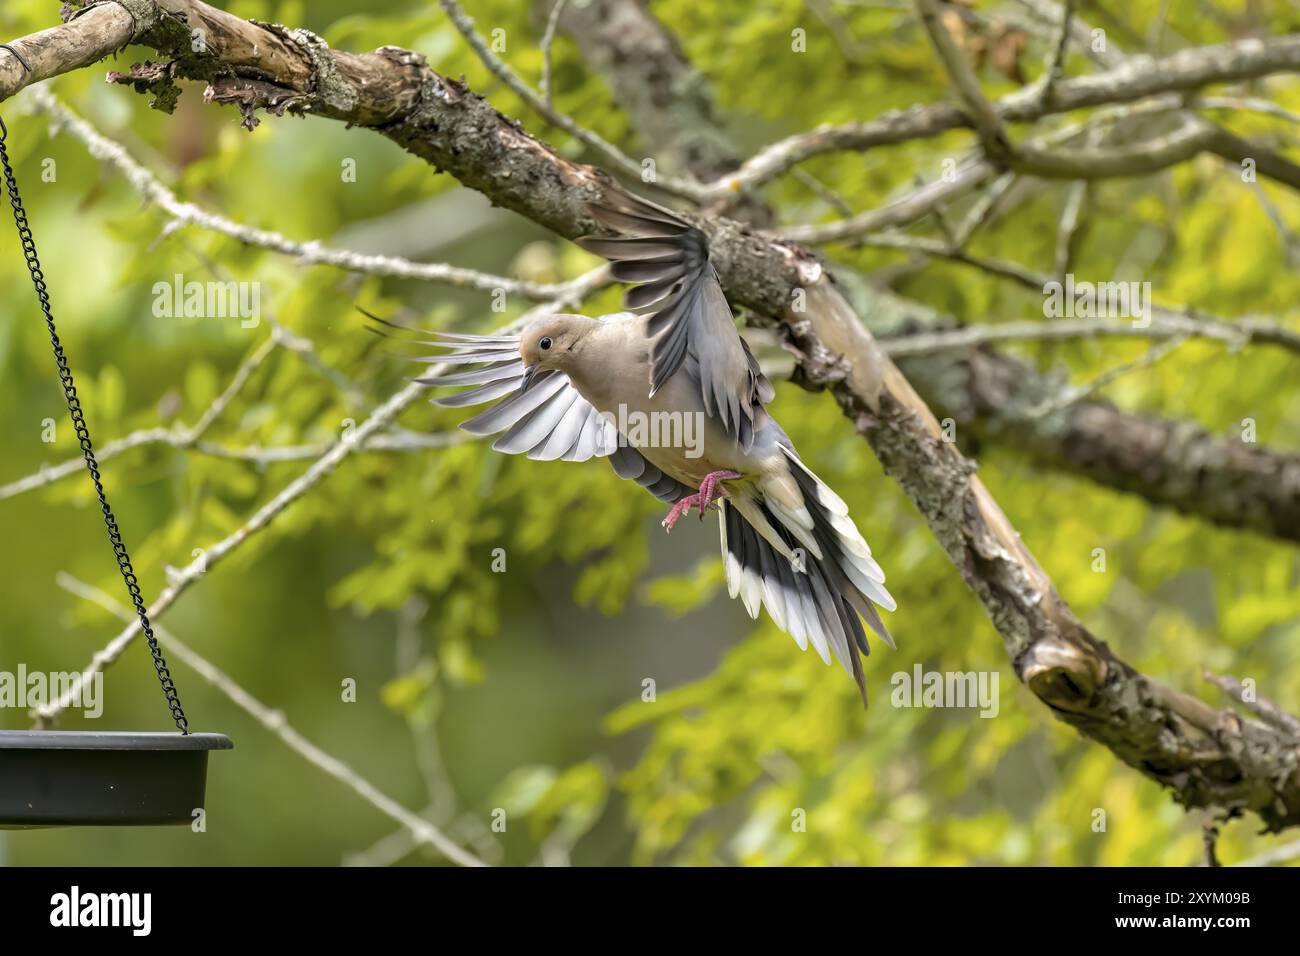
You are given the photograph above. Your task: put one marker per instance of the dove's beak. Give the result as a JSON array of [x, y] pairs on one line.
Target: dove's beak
[[529, 372]]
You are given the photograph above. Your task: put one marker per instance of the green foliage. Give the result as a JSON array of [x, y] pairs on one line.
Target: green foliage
[[534, 674]]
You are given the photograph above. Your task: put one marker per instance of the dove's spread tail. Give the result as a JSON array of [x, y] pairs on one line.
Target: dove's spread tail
[[788, 544]]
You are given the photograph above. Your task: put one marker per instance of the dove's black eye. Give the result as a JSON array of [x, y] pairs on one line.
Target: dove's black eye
[[545, 343]]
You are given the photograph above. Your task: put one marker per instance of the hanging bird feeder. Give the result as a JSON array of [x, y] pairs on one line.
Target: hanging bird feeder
[[67, 778], [74, 778]]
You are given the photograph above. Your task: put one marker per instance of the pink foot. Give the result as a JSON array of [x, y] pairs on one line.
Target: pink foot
[[709, 492], [680, 510], [709, 488]]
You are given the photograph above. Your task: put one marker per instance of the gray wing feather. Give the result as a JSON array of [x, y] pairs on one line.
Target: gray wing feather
[[481, 394], [534, 430], [589, 438], [470, 356], [631, 464], [492, 373], [565, 435], [510, 410], [549, 421], [694, 321]]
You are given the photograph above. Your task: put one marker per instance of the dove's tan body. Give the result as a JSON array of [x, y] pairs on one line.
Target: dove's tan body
[[609, 365], [608, 362], [788, 543]]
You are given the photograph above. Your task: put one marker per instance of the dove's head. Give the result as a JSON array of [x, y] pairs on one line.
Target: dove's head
[[550, 342]]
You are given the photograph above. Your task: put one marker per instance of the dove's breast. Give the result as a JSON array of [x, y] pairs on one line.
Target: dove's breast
[[671, 429]]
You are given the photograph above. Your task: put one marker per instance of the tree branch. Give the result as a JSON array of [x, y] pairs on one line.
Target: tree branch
[[360, 437], [1183, 72], [1055, 69], [98, 32], [1206, 756], [606, 151], [152, 189], [987, 122], [420, 829]]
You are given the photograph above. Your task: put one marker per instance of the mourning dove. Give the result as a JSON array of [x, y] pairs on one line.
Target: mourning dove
[[675, 399]]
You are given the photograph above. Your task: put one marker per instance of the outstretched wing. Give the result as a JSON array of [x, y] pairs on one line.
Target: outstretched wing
[[549, 421], [693, 329]]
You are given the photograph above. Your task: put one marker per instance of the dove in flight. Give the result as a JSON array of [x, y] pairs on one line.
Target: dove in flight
[[573, 387]]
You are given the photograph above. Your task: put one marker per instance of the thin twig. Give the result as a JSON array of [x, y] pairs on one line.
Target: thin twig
[[1156, 30], [179, 437], [981, 211], [1075, 196], [1056, 60], [548, 39], [237, 382], [822, 191], [1055, 330], [1069, 225], [1278, 854], [1210, 840], [1078, 393], [275, 721], [1290, 247], [181, 580], [610, 154], [1165, 320], [152, 189], [1248, 104], [1263, 708], [988, 124]]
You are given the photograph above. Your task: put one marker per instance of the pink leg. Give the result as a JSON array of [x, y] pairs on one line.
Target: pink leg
[[709, 492], [709, 488], [679, 510]]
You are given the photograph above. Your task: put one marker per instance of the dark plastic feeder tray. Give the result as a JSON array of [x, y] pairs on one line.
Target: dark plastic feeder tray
[[70, 778]]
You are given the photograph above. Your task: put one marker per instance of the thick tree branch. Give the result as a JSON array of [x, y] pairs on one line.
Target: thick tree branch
[[1172, 464], [988, 394], [99, 32], [182, 214], [1208, 757]]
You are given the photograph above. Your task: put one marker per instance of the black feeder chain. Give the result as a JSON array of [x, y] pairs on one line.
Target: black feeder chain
[[83, 434]]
